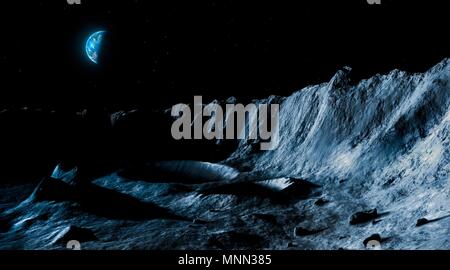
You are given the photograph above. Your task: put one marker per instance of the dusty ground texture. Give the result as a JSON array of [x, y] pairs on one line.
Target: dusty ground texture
[[355, 163]]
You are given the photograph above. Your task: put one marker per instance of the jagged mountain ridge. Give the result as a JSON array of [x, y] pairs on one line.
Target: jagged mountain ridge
[[383, 142], [341, 130]]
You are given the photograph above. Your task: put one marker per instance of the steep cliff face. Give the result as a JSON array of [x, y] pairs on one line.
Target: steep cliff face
[[341, 130], [383, 143]]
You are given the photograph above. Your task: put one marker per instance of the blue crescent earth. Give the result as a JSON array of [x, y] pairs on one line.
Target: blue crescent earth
[[93, 45]]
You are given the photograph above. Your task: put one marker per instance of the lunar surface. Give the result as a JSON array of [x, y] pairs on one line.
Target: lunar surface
[[358, 164]]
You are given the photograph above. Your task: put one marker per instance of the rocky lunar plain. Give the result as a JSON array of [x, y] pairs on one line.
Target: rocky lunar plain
[[356, 163]]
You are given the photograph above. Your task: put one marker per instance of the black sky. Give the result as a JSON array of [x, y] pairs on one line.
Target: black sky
[[165, 51]]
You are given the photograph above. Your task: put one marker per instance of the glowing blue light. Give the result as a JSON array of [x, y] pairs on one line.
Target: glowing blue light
[[93, 45]]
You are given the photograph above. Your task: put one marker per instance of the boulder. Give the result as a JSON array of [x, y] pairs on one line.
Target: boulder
[[321, 202], [422, 221], [364, 216], [300, 231], [374, 239]]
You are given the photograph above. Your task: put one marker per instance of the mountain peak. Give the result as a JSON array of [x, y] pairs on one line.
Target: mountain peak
[[341, 78]]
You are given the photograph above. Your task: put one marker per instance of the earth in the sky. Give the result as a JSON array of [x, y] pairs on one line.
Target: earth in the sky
[[95, 46]]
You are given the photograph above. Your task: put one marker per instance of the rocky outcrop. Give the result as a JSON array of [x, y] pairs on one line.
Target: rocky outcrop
[[74, 233], [364, 216]]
